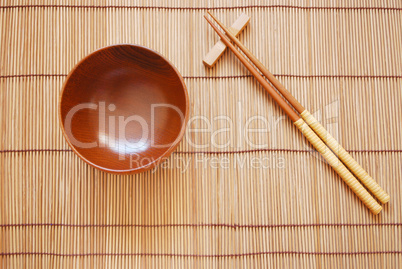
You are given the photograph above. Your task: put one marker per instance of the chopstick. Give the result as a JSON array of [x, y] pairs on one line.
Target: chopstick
[[318, 144], [343, 155]]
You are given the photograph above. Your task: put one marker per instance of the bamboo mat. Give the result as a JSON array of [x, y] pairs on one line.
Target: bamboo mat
[[341, 59]]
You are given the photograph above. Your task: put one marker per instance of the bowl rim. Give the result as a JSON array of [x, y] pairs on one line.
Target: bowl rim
[[156, 161]]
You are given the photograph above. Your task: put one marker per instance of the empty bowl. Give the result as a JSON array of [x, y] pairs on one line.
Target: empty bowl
[[124, 108]]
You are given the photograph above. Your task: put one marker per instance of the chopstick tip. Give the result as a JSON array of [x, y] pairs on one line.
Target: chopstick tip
[[208, 20], [218, 22]]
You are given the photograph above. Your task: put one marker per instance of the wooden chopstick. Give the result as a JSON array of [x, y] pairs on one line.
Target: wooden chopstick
[[318, 144], [345, 157]]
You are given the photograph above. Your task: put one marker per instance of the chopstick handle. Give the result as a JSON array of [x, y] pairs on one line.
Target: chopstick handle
[[345, 157], [338, 166]]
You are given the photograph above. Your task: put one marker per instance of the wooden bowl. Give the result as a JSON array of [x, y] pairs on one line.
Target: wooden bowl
[[124, 109]]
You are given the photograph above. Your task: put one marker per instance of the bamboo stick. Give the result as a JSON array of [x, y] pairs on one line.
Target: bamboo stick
[[345, 157], [342, 171]]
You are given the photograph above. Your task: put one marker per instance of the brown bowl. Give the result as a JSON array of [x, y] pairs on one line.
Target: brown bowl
[[124, 108]]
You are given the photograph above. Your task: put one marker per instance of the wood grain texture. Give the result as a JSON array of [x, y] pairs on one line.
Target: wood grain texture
[[57, 211], [275, 82], [219, 48], [348, 160], [124, 108], [271, 91]]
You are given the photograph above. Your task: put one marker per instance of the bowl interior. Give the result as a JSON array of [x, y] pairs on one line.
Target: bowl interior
[[124, 108]]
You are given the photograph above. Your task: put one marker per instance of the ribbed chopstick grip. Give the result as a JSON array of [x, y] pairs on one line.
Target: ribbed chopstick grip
[[338, 166], [345, 157]]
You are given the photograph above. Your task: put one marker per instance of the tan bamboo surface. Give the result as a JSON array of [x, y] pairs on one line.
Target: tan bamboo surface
[[341, 59], [345, 157]]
